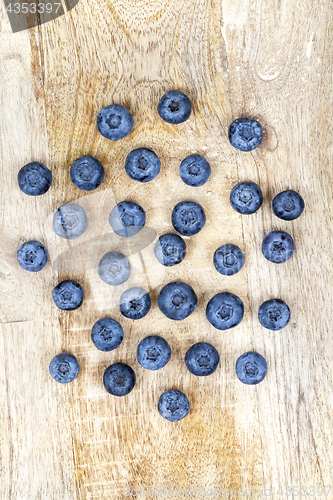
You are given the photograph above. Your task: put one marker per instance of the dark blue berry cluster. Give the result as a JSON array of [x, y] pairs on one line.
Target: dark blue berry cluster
[[176, 300]]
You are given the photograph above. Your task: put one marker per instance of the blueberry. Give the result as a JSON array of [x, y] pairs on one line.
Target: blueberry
[[228, 259], [107, 334], [288, 205], [278, 247], [202, 359], [135, 303], [194, 170], [188, 218], [251, 368], [70, 221], [64, 368], [245, 134], [127, 218], [246, 197], [173, 405], [225, 310], [32, 256], [142, 165], [174, 107], [114, 268], [153, 352], [86, 173], [177, 300], [34, 179], [68, 295], [114, 122], [170, 249], [274, 314], [119, 379]]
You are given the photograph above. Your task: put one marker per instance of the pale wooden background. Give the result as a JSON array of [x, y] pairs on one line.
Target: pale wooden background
[[271, 60]]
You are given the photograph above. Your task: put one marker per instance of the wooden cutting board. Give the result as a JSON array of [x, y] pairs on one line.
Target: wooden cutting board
[[270, 60]]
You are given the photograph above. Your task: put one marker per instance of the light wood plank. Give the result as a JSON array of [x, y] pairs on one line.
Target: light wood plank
[[271, 61]]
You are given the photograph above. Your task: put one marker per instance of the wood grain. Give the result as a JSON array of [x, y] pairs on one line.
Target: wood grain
[[270, 60]]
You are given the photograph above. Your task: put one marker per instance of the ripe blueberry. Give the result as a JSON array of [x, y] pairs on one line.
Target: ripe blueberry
[[177, 300], [225, 310], [188, 218], [86, 173], [107, 334], [170, 249], [135, 303], [68, 295], [114, 268], [174, 107], [119, 379], [278, 247], [194, 170], [64, 368], [34, 179], [142, 165], [202, 359], [70, 221], [246, 197], [288, 205], [274, 314], [114, 122], [251, 368], [173, 405], [127, 218], [228, 259], [245, 134], [153, 352], [32, 256]]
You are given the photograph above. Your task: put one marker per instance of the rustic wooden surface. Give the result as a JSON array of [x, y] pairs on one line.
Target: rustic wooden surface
[[271, 60]]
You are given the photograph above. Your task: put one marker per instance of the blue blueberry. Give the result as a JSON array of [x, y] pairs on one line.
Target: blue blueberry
[[177, 300], [32, 256], [188, 218], [114, 268], [86, 173], [64, 368], [34, 179], [170, 249], [114, 122], [202, 359], [246, 197], [228, 259], [127, 218], [135, 303], [68, 295], [225, 310], [153, 352], [107, 334], [278, 247], [70, 221], [194, 170], [274, 314], [251, 368], [288, 205], [174, 107], [173, 405], [142, 165], [245, 134], [119, 379]]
